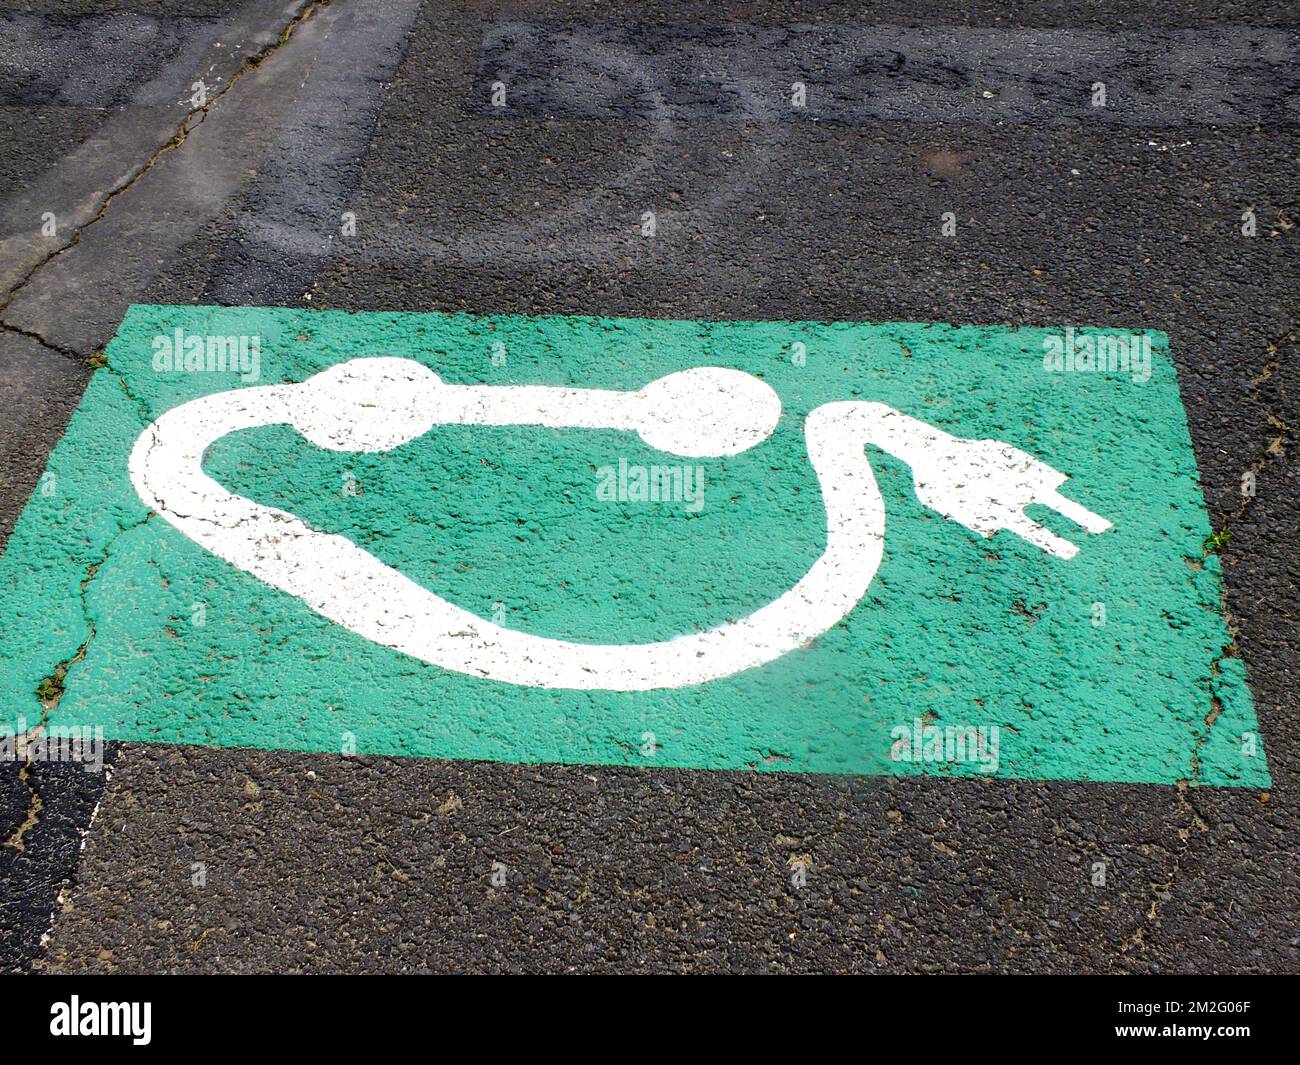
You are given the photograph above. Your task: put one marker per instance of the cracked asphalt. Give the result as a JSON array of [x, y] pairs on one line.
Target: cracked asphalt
[[329, 863]]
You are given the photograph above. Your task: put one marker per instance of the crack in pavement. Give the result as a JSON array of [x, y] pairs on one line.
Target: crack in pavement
[[34, 807], [47, 344], [188, 123], [1276, 446], [50, 692], [1274, 449], [1164, 891]]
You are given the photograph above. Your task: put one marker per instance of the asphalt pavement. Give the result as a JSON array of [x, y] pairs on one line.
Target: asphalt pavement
[[200, 859]]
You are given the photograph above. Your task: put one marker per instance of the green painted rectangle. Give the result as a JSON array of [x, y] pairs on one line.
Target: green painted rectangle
[[1106, 666]]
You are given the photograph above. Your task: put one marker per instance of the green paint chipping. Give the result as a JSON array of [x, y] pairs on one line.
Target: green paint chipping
[[164, 642]]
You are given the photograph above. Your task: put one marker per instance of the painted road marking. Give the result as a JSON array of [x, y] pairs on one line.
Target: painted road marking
[[378, 404], [271, 543]]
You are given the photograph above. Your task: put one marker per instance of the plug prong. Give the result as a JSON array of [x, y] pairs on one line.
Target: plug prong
[[1041, 537], [1078, 514]]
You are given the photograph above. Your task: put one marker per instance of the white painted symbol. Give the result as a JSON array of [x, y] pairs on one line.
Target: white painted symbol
[[377, 404]]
